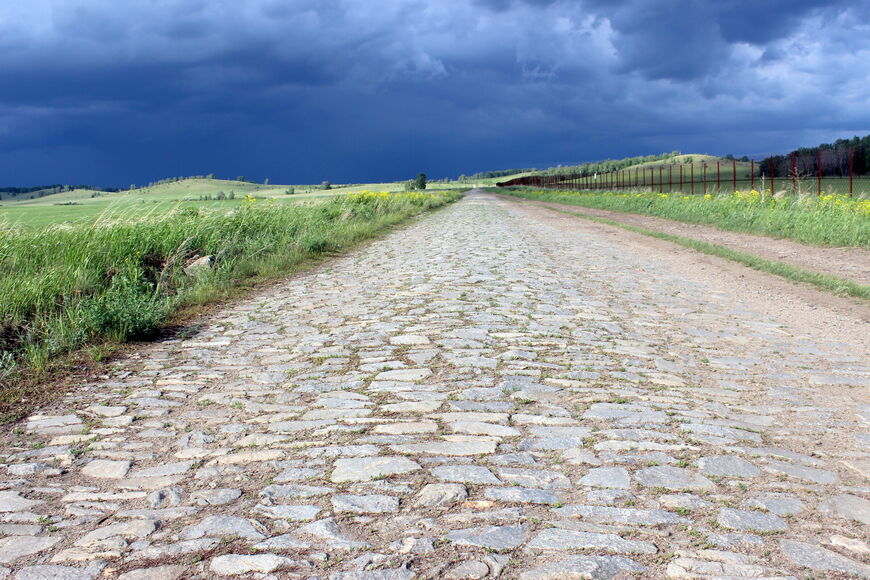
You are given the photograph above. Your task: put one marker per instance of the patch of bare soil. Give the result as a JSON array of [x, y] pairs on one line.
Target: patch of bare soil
[[849, 263]]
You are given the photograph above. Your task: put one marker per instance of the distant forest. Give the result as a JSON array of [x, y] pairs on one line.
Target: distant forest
[[835, 159]]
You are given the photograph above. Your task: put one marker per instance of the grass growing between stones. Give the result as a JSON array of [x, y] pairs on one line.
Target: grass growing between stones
[[824, 282], [67, 287], [829, 220]]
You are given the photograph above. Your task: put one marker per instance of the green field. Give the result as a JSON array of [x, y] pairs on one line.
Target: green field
[[88, 206]]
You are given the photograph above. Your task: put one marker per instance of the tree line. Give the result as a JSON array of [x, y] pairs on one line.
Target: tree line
[[834, 157]]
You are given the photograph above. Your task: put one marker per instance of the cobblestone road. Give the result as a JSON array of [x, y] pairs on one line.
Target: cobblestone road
[[480, 394]]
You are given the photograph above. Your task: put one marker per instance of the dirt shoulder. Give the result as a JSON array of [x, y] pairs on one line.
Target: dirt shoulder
[[849, 263]]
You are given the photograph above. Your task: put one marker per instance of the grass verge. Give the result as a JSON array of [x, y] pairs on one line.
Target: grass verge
[[829, 220], [71, 294], [824, 282]]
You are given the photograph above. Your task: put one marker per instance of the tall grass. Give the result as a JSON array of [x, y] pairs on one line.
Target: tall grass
[[828, 220], [64, 287]]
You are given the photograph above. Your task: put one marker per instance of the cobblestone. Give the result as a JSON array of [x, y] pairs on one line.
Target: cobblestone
[[479, 394]]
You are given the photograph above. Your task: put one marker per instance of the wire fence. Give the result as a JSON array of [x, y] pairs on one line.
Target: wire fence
[[795, 178]]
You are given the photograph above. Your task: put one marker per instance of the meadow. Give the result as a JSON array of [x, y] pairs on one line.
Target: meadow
[[89, 206], [67, 286], [828, 220]]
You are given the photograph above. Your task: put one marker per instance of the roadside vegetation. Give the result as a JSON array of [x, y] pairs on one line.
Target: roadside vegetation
[[69, 286], [827, 220]]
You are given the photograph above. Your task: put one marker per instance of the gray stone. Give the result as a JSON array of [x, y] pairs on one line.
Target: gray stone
[[673, 478], [684, 501], [776, 503], [199, 265], [818, 558], [365, 504], [614, 477], [492, 537], [468, 570], [293, 513], [750, 521], [586, 568], [441, 494], [54, 572], [480, 428], [11, 501], [727, 466], [412, 375], [847, 506], [215, 496], [534, 477], [465, 474], [521, 495], [168, 572], [456, 445], [106, 469], [368, 468], [613, 515], [221, 526], [810, 474], [235, 564], [14, 547], [559, 539]]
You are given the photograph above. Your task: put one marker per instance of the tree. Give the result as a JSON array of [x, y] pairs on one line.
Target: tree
[[420, 182]]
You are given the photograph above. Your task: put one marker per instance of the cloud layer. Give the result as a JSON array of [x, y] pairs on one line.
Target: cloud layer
[[349, 90]]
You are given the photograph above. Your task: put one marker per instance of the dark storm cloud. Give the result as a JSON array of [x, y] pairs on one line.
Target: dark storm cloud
[[305, 90]]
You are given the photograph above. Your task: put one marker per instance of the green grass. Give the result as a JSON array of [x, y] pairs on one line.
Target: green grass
[[825, 282], [88, 206], [829, 221], [64, 287]]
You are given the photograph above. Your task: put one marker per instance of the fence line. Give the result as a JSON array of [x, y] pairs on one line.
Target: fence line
[[707, 177]]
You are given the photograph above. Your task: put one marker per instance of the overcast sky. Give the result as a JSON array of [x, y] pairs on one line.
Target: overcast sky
[[114, 92]]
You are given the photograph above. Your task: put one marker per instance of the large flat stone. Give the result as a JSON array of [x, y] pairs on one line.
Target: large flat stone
[[847, 506], [672, 478], [455, 445], [11, 501], [818, 558], [492, 537], [465, 474], [106, 469], [221, 526], [521, 495], [365, 504], [611, 477], [368, 468], [586, 568], [727, 466], [14, 547], [750, 521], [559, 539], [237, 564], [613, 515]]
